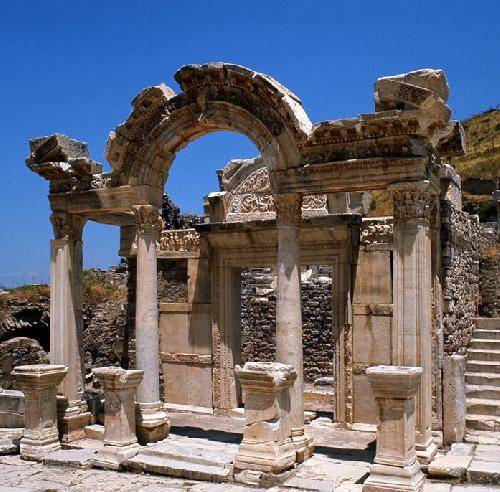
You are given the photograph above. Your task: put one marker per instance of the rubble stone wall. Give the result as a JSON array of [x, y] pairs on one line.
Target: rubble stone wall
[[489, 267], [258, 318], [463, 239]]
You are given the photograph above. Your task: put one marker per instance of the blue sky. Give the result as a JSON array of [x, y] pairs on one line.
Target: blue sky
[[73, 67]]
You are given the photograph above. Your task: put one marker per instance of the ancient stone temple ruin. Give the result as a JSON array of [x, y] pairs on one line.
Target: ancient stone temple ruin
[[403, 289]]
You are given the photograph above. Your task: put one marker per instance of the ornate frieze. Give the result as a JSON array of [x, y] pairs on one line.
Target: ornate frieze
[[252, 199], [179, 240], [148, 219], [251, 203], [257, 182], [314, 203], [67, 226], [376, 231]]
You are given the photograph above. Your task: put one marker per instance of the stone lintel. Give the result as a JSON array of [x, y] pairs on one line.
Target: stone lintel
[[113, 200], [351, 175]]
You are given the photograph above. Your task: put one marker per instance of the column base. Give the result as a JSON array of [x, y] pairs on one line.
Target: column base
[[72, 418], [268, 457], [384, 478], [111, 456], [426, 451], [152, 423], [304, 446], [34, 446]]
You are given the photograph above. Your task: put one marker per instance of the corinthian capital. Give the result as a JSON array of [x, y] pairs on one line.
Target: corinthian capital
[[288, 208], [147, 219], [67, 226], [412, 200]]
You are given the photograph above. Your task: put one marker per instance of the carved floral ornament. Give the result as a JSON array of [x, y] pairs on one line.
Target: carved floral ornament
[[67, 226], [179, 240], [412, 201], [148, 219], [288, 208]]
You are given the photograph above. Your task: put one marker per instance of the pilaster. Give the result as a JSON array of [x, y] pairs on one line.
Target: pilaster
[[412, 322]]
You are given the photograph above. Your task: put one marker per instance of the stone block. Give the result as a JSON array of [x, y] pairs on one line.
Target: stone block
[[11, 409], [454, 398], [484, 472], [449, 466], [267, 446]]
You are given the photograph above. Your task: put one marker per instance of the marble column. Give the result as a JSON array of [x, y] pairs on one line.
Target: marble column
[[289, 348], [66, 322], [120, 441], [266, 446], [395, 466], [412, 291], [152, 421], [39, 385]]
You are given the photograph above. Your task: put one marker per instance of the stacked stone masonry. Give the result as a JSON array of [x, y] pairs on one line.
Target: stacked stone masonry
[[463, 239], [258, 314]]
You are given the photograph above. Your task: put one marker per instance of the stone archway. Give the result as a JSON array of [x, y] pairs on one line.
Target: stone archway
[[215, 97]]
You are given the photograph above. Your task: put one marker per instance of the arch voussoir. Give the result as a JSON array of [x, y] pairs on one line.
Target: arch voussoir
[[214, 97]]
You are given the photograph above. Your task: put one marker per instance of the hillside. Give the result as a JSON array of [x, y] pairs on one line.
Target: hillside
[[481, 160]]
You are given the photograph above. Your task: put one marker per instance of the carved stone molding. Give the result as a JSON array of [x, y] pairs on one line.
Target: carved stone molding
[[187, 358], [179, 240], [412, 200], [148, 219], [288, 208], [67, 226]]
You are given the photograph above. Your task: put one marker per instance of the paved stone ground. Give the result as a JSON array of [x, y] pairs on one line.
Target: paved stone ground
[[340, 468]]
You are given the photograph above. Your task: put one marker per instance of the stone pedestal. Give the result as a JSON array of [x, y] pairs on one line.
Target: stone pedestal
[[120, 441], [396, 466], [454, 399], [289, 347], [267, 445], [152, 422], [412, 320], [66, 322], [39, 385]]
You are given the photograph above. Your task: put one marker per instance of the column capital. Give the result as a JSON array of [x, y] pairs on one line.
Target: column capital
[[147, 219], [412, 200], [67, 226], [288, 208]]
